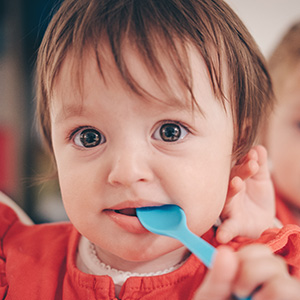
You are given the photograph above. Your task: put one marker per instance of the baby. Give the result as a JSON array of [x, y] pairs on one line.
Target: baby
[[145, 103], [282, 135]]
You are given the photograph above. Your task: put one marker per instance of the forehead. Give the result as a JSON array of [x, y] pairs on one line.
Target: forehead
[[166, 89]]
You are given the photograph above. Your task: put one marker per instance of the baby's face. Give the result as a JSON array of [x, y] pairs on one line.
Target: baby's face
[[118, 151], [283, 141]]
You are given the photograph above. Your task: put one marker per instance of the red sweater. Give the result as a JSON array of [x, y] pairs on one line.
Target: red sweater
[[38, 262]]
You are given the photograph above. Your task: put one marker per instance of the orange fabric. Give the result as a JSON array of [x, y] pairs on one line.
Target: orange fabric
[[38, 262]]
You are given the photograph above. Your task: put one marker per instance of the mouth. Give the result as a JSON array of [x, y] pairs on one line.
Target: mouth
[[128, 208], [131, 212], [126, 218]]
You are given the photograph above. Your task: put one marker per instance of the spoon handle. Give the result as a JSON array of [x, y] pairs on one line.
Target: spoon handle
[[202, 249]]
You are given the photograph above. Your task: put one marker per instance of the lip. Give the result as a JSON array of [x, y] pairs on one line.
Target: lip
[[134, 204], [123, 214]]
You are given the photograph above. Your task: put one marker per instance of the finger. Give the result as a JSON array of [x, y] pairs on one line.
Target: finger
[[227, 231], [251, 155], [249, 169], [280, 288], [254, 251], [236, 184], [254, 274], [263, 170], [258, 266], [217, 285], [245, 170], [262, 155]]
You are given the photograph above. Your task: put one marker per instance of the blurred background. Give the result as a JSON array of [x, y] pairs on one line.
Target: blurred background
[[22, 25], [22, 159]]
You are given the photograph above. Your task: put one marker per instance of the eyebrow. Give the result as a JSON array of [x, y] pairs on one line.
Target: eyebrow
[[69, 111], [76, 110]]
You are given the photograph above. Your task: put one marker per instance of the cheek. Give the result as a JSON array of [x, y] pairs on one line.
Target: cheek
[[74, 186], [207, 204], [79, 200], [201, 191], [69, 193]]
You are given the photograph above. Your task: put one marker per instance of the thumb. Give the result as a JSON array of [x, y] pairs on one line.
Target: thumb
[[217, 284]]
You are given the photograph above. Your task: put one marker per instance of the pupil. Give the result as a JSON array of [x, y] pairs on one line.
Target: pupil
[[90, 138], [170, 132]]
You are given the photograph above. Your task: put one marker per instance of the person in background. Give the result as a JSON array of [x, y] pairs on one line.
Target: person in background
[[146, 103], [281, 136]]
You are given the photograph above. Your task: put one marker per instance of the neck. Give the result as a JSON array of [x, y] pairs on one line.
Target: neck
[[154, 265]]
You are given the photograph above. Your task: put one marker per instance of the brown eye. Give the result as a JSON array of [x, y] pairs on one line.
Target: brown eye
[[89, 138], [170, 132]]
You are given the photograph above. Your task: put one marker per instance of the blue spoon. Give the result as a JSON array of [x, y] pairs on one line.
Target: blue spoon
[[170, 220]]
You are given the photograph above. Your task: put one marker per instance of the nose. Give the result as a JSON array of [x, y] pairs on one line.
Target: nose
[[129, 166]]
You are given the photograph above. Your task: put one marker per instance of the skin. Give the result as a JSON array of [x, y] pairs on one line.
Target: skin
[[135, 166], [283, 139]]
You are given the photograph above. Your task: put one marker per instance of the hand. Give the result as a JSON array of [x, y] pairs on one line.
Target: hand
[[250, 203], [253, 270]]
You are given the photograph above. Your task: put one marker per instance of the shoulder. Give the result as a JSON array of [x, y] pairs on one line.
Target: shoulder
[[9, 205], [17, 229], [8, 218], [11, 213], [33, 249]]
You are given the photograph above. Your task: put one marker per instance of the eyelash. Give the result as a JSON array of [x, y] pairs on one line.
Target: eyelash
[[76, 130], [179, 123], [172, 122], [73, 132]]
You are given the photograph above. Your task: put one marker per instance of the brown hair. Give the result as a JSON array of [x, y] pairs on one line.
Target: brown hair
[[286, 56], [209, 25]]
